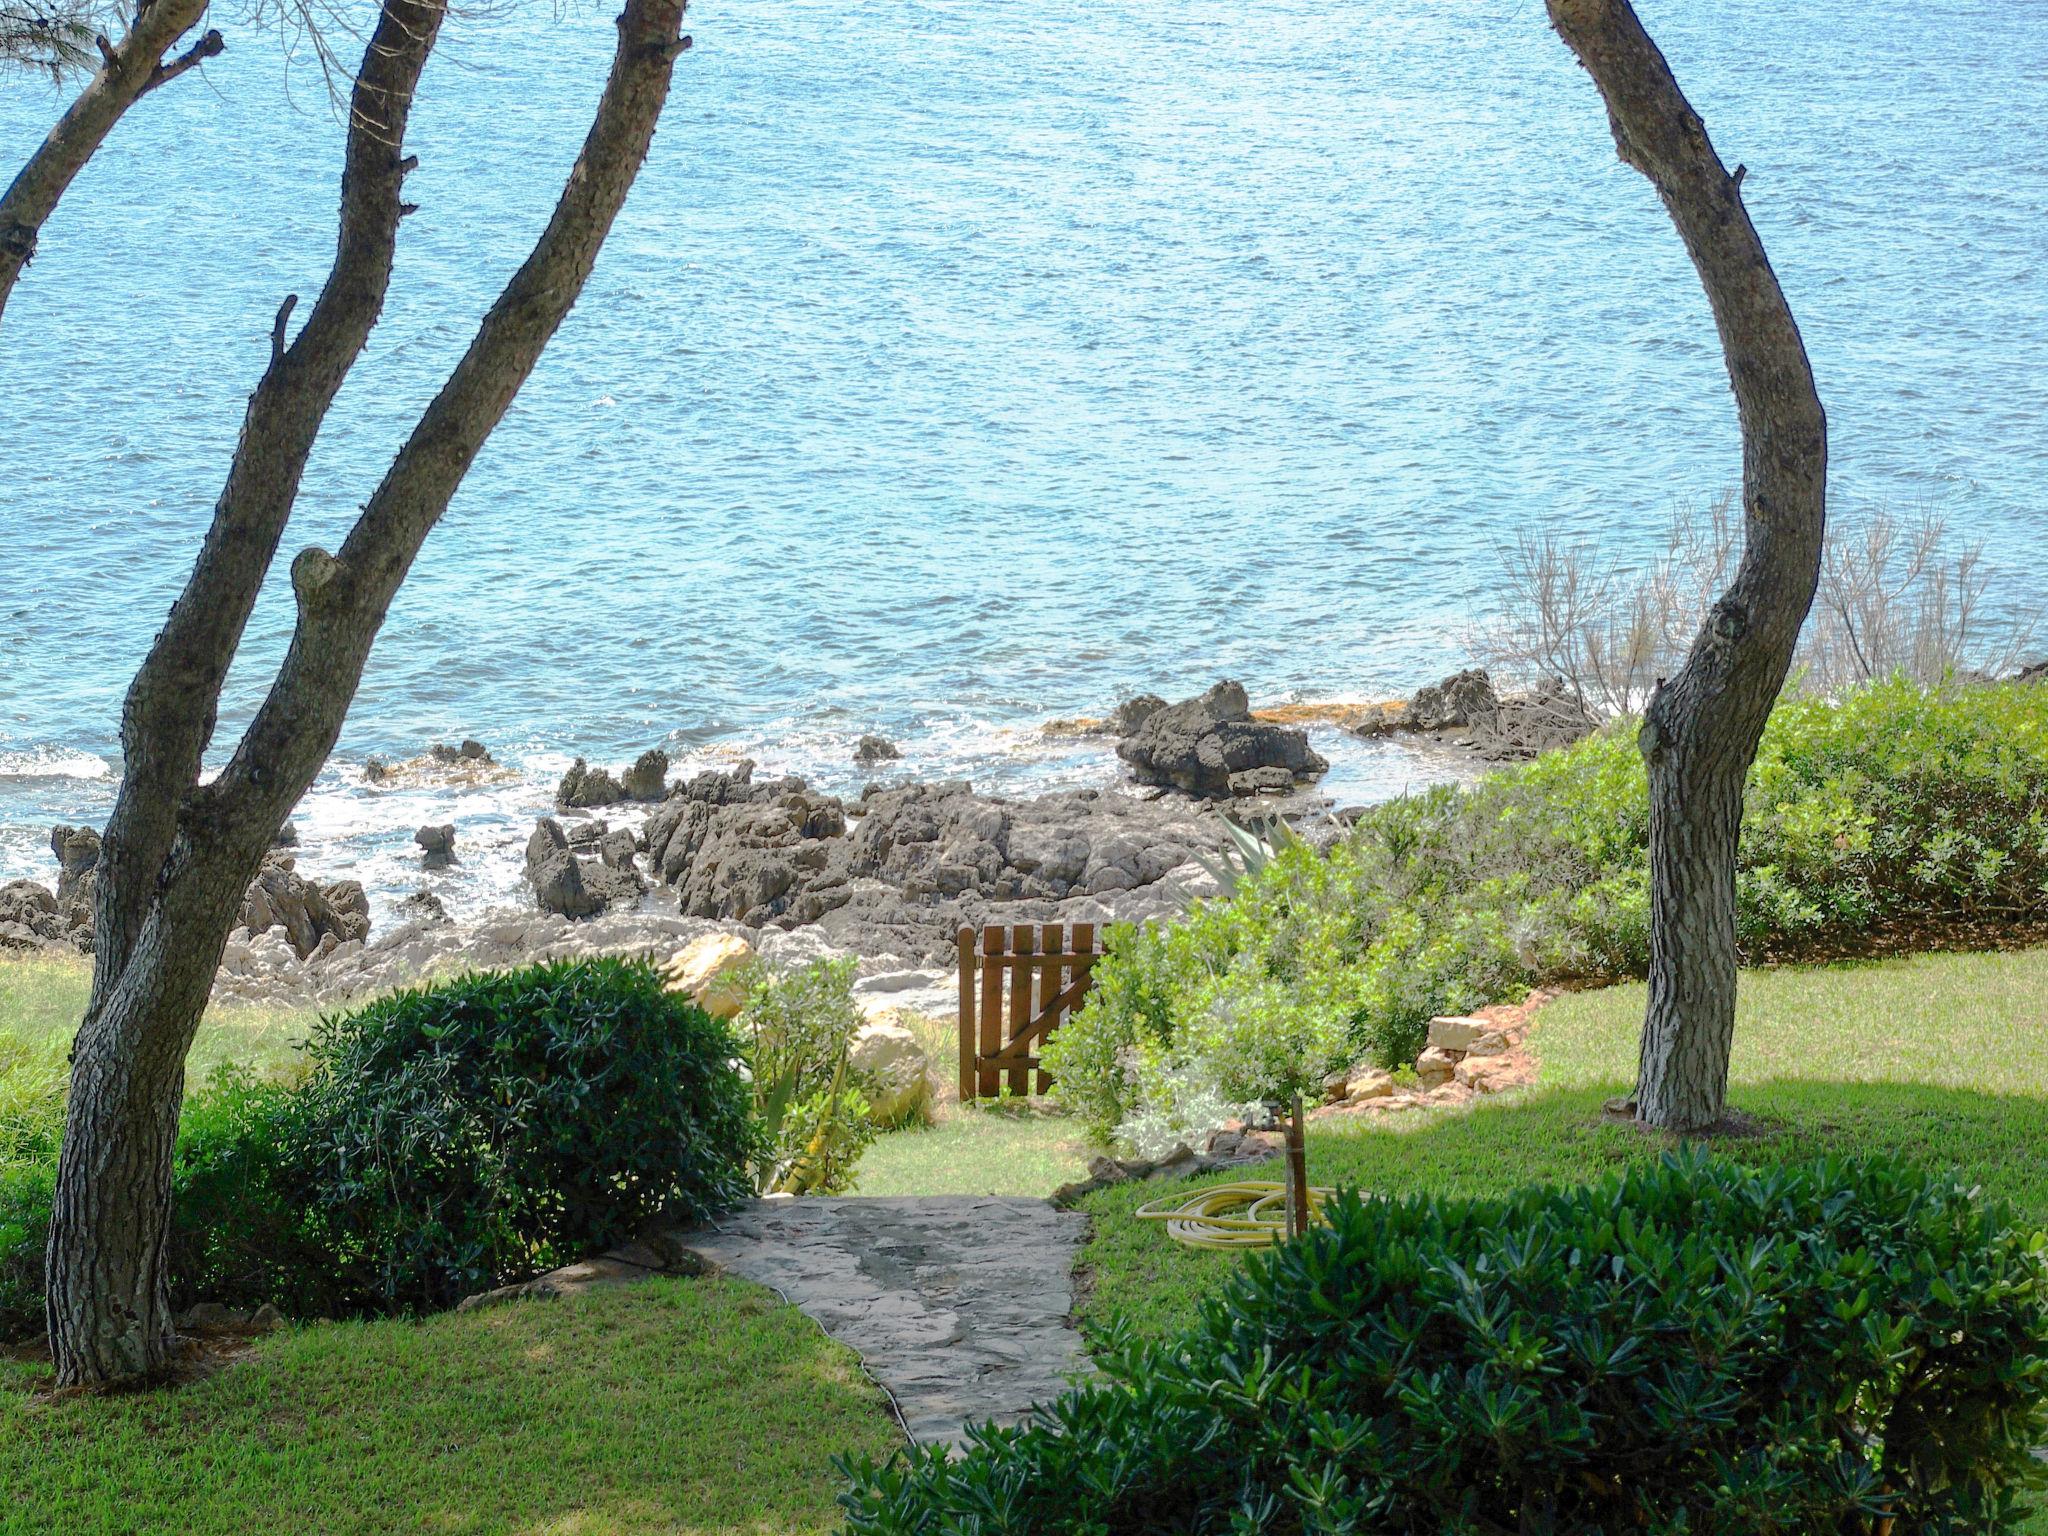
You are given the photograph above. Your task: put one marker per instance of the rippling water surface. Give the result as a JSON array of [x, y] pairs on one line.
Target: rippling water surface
[[960, 364]]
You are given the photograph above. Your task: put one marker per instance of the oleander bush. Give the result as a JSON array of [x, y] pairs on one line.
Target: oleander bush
[[1691, 1347], [1894, 807], [438, 1142], [797, 1031]]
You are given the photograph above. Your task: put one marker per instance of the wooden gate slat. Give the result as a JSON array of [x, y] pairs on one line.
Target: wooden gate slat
[[1052, 987], [1023, 941], [966, 1014], [987, 1083]]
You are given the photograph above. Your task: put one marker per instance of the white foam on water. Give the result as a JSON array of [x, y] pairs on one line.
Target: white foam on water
[[45, 762]]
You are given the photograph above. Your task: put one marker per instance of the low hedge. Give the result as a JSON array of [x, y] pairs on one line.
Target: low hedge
[[442, 1141], [1692, 1347], [1895, 805]]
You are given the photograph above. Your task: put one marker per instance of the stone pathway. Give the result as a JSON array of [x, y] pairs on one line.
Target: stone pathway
[[958, 1306]]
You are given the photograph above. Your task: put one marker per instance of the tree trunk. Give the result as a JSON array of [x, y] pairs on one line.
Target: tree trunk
[[1701, 728], [1297, 1171], [178, 854], [128, 72], [108, 1298]]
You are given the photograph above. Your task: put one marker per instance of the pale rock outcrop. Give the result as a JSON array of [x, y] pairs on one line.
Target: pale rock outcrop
[[893, 1072], [714, 971]]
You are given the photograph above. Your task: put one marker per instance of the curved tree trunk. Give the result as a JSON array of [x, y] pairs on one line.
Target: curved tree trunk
[[178, 854], [1701, 728], [128, 72]]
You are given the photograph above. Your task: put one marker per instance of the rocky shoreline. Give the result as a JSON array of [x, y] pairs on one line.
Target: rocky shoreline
[[633, 863]]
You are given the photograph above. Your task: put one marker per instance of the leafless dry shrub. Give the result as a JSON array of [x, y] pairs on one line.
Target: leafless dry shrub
[[1896, 596]]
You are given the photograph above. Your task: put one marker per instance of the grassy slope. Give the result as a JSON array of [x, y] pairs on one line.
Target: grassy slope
[[42, 998], [1943, 1057], [679, 1406]]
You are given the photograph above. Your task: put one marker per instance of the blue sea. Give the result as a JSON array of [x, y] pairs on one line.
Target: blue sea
[[963, 363]]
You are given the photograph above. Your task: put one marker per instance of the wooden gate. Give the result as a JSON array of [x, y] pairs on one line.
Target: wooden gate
[[1046, 968]]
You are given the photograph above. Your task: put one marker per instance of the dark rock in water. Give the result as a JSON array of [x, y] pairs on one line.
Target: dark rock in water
[[1465, 710], [1197, 746], [1463, 698], [2033, 672], [901, 871], [586, 835], [78, 857], [474, 751], [617, 848], [647, 779], [555, 873], [422, 907], [438, 845], [571, 886], [287, 836], [1125, 719], [875, 749], [584, 787], [1262, 781], [311, 915]]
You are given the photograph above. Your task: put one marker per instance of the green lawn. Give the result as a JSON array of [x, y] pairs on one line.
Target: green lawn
[[1941, 1057], [42, 998], [701, 1406], [1006, 1151], [676, 1406]]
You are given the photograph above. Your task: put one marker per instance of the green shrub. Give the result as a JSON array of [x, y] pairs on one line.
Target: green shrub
[[797, 1030], [462, 1135], [1689, 1348], [440, 1142], [1893, 806], [242, 1232], [32, 1080]]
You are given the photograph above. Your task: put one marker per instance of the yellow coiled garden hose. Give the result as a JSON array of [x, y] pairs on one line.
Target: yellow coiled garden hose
[[1252, 1214]]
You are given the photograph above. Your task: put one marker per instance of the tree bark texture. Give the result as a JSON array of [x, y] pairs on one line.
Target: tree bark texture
[[178, 855], [1701, 728], [1297, 1170], [128, 71]]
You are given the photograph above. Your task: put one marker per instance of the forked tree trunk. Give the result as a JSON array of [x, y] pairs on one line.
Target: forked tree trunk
[[128, 71], [178, 854], [1701, 728]]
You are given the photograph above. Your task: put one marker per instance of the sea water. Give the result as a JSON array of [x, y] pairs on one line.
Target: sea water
[[964, 363]]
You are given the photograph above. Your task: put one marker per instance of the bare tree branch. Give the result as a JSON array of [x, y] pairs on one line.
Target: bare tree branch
[[207, 47], [128, 71]]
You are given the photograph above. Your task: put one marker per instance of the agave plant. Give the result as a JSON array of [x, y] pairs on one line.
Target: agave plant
[[1251, 847]]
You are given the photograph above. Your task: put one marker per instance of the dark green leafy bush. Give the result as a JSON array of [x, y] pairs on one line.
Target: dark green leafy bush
[[1895, 805], [442, 1141], [1689, 1348], [457, 1136]]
